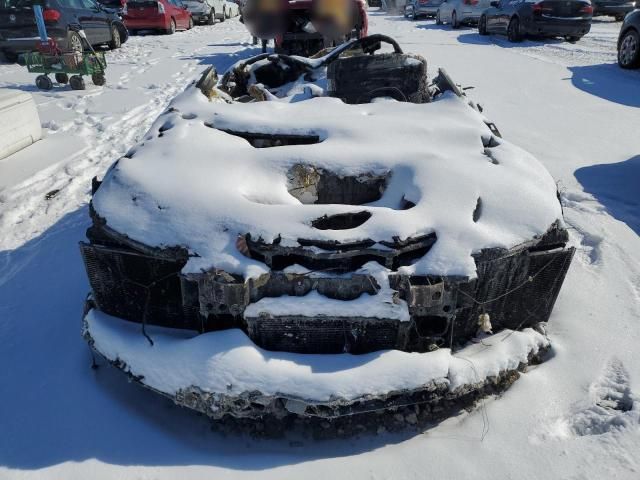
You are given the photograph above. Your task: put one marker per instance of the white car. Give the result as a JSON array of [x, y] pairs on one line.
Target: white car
[[458, 12], [207, 11], [231, 9]]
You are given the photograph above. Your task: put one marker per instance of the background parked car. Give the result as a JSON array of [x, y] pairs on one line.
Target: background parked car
[[165, 15], [18, 31], [614, 8], [548, 18], [629, 41], [116, 5], [458, 12], [422, 8], [232, 9], [207, 11], [395, 6]]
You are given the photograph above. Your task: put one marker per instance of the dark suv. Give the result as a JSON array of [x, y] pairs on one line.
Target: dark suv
[[517, 19], [614, 8], [18, 31]]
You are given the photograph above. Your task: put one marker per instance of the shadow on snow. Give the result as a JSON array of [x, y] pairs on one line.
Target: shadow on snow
[[616, 187], [223, 61], [501, 40], [435, 26], [608, 81]]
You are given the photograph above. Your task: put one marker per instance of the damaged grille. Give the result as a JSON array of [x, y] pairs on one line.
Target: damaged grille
[[516, 287]]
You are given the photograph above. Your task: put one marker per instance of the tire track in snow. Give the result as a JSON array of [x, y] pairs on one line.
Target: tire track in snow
[[597, 237], [588, 243]]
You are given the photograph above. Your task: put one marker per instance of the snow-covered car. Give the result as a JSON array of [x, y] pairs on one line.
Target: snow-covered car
[[629, 41], [306, 263], [461, 12]]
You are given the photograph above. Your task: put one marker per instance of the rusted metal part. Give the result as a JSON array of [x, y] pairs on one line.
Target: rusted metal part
[[514, 288], [312, 185], [208, 81], [354, 74]]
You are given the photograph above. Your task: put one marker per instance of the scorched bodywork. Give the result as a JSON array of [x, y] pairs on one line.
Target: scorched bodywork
[[320, 227]]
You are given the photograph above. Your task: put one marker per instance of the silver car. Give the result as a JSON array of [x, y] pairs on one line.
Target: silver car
[[458, 12], [421, 8], [207, 11]]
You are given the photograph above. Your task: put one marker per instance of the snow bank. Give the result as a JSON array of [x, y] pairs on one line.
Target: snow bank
[[227, 362], [192, 185]]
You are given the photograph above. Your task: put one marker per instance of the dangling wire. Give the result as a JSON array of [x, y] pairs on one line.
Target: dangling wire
[[147, 288], [144, 316], [483, 408], [94, 364], [529, 279]]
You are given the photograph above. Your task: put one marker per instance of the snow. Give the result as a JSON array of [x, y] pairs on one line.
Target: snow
[[569, 105], [615, 186], [434, 152], [228, 363], [611, 406]]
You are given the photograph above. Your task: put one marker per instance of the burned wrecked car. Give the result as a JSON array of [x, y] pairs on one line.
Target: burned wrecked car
[[340, 236]]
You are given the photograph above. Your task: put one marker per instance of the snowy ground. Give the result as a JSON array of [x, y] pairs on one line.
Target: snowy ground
[[569, 105]]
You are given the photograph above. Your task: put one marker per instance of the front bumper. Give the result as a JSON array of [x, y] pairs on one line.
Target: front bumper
[[226, 377], [28, 43], [200, 17]]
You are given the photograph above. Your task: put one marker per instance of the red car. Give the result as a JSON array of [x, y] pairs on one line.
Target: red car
[[165, 15]]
